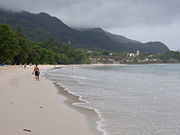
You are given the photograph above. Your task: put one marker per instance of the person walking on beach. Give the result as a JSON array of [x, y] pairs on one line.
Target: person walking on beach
[[37, 72], [25, 66]]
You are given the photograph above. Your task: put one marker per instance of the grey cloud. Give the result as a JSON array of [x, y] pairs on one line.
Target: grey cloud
[[123, 13], [104, 13]]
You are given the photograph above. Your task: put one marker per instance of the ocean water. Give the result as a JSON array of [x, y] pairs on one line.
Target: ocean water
[[129, 99]]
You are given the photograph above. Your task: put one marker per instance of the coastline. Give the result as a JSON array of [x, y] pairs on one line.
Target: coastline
[[90, 114], [93, 116], [34, 107]]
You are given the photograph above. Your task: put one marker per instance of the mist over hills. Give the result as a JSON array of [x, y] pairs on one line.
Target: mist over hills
[[39, 27]]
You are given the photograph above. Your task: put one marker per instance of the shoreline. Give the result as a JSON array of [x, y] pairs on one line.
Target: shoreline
[[75, 101], [78, 98], [34, 107], [43, 107]]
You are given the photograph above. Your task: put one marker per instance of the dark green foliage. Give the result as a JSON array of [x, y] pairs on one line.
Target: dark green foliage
[[39, 27], [25, 47], [15, 48], [8, 44], [149, 47], [65, 53], [171, 56]]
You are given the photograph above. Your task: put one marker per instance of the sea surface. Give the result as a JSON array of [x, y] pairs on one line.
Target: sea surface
[[129, 99]]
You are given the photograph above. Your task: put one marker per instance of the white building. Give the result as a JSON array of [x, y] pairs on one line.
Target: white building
[[137, 53], [131, 54], [134, 54]]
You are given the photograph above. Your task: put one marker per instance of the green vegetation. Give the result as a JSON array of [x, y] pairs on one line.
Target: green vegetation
[[39, 27], [15, 48], [8, 44], [170, 57], [141, 58]]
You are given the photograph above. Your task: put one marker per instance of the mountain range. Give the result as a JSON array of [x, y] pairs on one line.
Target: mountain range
[[39, 27]]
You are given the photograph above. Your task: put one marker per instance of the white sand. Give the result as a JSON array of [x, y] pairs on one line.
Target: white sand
[[35, 105]]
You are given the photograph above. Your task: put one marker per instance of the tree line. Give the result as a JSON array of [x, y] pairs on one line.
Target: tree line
[[15, 48], [170, 57]]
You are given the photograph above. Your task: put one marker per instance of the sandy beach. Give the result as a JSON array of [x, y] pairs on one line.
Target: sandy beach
[[35, 107]]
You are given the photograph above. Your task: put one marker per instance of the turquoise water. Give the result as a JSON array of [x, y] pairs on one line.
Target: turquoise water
[[130, 99]]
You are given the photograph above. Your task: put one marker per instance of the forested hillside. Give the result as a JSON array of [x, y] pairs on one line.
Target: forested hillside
[[40, 27], [15, 48]]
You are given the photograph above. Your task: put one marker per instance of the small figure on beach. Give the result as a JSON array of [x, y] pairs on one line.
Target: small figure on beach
[[2, 64], [37, 72], [25, 66]]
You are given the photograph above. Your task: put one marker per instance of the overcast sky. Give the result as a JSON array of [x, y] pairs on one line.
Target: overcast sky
[[143, 20]]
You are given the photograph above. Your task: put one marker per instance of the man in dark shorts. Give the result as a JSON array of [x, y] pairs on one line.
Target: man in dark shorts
[[37, 72]]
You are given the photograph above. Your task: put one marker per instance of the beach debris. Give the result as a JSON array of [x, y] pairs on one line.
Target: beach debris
[[41, 107], [27, 130]]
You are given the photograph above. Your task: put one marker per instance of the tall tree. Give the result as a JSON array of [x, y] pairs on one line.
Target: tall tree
[[8, 44], [24, 45]]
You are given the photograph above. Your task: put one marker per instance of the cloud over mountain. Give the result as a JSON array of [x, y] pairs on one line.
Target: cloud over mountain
[[108, 14]]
